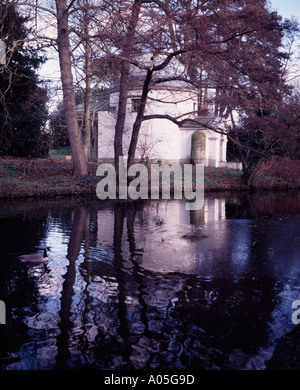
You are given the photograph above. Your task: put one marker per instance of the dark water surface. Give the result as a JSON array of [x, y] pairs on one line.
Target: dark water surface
[[149, 285]]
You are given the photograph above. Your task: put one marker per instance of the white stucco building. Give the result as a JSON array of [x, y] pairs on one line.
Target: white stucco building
[[161, 139]]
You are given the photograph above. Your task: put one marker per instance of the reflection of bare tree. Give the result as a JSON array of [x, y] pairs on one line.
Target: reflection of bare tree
[[117, 242], [129, 285], [138, 276], [131, 212], [65, 325], [130, 316]]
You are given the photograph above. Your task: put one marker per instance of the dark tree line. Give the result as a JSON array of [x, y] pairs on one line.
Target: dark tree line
[[23, 109]]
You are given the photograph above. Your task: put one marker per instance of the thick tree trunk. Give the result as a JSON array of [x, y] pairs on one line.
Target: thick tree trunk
[[79, 160], [123, 94]]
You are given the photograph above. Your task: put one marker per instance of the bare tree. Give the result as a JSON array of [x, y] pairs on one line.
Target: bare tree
[[125, 67], [63, 43], [233, 49], [87, 50], [60, 10]]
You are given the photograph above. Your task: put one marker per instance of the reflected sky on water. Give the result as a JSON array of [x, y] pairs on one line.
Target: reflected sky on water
[[148, 284]]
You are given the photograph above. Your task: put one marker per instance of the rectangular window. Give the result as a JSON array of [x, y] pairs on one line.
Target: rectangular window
[[195, 108], [135, 104], [112, 109]]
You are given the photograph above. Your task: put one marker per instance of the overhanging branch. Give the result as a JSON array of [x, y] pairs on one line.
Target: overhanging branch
[[181, 122]]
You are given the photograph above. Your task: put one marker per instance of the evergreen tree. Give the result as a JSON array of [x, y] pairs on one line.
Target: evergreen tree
[[22, 101]]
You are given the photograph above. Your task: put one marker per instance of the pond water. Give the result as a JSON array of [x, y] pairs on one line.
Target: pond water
[[148, 285]]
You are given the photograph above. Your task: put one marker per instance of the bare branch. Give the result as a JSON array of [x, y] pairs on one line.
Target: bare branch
[[180, 123], [70, 5], [17, 3]]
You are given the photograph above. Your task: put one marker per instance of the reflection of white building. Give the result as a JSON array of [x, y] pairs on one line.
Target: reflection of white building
[[174, 239], [160, 138], [174, 242]]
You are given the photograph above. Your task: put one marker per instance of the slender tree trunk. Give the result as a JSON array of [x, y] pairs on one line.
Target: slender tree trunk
[[143, 102], [139, 119], [123, 94], [119, 130], [79, 160], [86, 139]]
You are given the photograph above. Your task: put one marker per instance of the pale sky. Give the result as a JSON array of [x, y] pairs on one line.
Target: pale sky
[[287, 8]]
